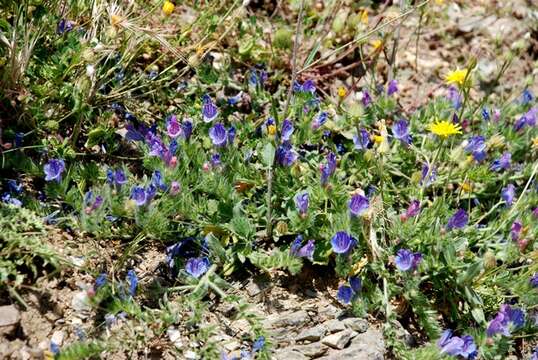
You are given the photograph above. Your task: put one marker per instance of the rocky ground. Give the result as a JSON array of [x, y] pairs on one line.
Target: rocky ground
[[303, 317]]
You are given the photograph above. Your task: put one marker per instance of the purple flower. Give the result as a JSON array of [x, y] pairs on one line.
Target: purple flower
[[508, 193], [175, 188], [413, 209], [424, 174], [496, 115], [534, 355], [197, 267], [506, 320], [8, 199], [329, 168], [392, 87], [342, 242], [64, 26], [358, 205], [119, 177], [14, 187], [215, 160], [257, 77], [301, 203], [186, 126], [407, 260], [319, 120], [515, 230], [366, 98], [133, 282], [503, 163], [458, 220], [400, 131], [306, 251], [477, 146], [528, 119], [307, 87], [285, 154], [287, 130], [54, 169], [231, 135], [534, 280], [138, 194], [100, 281], [209, 109], [355, 283], [456, 346], [454, 97], [362, 140], [218, 135], [173, 127]]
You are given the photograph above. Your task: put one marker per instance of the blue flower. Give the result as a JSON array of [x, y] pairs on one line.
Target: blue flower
[[119, 177], [534, 280], [503, 163], [64, 26], [400, 130], [19, 136], [458, 220], [218, 135], [319, 120], [358, 205], [392, 87], [508, 194], [138, 194], [362, 140], [329, 168], [432, 175], [231, 135], [209, 109], [306, 251], [157, 180], [133, 282], [186, 125], [506, 320], [197, 267], [406, 260], [307, 87], [100, 281], [346, 294], [287, 130], [173, 127], [342, 242], [366, 98], [454, 97], [301, 203], [485, 114], [14, 187], [258, 344], [8, 199], [456, 346], [257, 77], [526, 97], [285, 154], [215, 160], [477, 146], [54, 169]]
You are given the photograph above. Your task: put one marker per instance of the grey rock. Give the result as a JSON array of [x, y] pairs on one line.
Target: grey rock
[[486, 69], [312, 334], [313, 350], [334, 325], [338, 340], [288, 319], [359, 325], [328, 311], [9, 315], [287, 354]]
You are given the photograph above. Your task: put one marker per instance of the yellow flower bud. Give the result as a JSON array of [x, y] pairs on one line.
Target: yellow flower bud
[[342, 91], [168, 8]]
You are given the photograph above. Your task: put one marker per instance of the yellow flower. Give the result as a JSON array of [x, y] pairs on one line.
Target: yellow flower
[[378, 139], [271, 129], [456, 77], [377, 44], [342, 91], [439, 2], [115, 19], [168, 8], [444, 128], [466, 186]]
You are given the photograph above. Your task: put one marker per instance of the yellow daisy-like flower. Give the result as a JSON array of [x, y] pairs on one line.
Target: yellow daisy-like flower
[[466, 186], [271, 129], [377, 44], [535, 143], [378, 139], [168, 8], [445, 128], [456, 77], [364, 17], [342, 91]]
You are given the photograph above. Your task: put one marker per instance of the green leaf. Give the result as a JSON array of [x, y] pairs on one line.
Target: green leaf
[[268, 154]]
